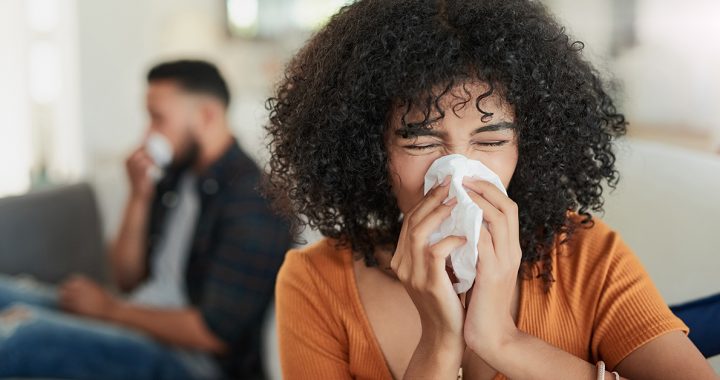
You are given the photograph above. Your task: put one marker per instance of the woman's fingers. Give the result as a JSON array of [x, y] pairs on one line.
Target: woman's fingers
[[432, 199], [400, 250], [415, 236], [496, 198], [497, 225], [501, 214], [420, 232], [419, 235], [439, 252], [486, 248], [442, 249], [418, 260]]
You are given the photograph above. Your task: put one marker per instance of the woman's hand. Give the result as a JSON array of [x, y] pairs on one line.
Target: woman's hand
[[489, 321], [421, 269]]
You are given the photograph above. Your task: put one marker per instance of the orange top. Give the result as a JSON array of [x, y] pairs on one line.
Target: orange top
[[602, 306]]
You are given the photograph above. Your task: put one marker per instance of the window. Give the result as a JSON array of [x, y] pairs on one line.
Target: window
[[40, 139], [273, 18]]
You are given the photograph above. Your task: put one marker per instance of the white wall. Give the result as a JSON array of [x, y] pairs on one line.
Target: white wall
[[670, 79]]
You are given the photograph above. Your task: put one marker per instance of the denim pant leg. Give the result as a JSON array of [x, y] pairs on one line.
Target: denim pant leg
[[14, 290], [49, 343], [702, 316]]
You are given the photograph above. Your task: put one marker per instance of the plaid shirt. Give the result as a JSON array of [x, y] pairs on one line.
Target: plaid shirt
[[237, 249]]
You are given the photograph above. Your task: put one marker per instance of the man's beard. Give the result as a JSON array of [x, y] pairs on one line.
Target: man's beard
[[188, 157]]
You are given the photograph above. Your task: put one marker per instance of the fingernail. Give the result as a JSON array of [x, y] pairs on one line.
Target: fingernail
[[450, 201], [445, 181]]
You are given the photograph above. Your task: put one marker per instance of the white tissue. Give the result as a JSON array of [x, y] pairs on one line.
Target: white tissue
[[466, 218], [160, 151]]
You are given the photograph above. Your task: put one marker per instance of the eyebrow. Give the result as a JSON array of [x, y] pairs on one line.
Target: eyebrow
[[499, 126]]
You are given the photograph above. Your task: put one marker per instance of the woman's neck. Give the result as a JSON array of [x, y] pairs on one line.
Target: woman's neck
[[384, 255]]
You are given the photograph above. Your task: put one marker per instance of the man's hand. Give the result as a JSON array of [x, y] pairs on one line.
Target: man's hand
[[127, 253], [80, 295], [138, 166]]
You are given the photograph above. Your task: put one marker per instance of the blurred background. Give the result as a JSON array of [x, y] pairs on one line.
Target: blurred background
[[72, 82]]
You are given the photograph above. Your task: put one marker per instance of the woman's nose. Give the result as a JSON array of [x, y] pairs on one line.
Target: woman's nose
[[464, 149]]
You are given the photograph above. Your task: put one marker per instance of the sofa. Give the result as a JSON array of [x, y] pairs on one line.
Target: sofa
[[50, 233], [53, 232]]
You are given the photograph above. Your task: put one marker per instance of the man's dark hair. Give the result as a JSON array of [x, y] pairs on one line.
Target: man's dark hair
[[193, 76], [329, 116]]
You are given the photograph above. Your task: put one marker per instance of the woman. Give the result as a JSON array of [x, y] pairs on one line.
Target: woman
[[386, 88]]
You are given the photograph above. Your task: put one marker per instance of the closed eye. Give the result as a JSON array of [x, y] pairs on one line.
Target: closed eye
[[492, 143], [422, 147]]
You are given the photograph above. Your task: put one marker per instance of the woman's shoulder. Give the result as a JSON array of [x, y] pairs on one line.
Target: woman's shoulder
[[324, 256], [593, 244], [593, 258], [609, 291], [319, 270], [595, 262]]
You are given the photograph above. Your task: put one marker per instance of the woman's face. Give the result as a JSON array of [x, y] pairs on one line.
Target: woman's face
[[491, 141]]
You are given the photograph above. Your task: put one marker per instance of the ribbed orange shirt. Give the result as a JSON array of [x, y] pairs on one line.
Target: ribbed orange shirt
[[602, 306]]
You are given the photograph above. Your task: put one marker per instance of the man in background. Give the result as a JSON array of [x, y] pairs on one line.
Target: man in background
[[197, 254]]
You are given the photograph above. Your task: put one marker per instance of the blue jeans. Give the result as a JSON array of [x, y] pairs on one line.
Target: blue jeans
[[38, 340], [703, 318]]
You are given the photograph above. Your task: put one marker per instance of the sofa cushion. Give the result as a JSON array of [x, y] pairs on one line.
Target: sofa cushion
[[51, 233]]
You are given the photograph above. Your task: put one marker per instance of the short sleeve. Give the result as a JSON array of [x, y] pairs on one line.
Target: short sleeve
[[310, 340], [630, 310]]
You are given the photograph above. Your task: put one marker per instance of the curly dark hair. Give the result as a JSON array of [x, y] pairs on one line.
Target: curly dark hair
[[329, 116]]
